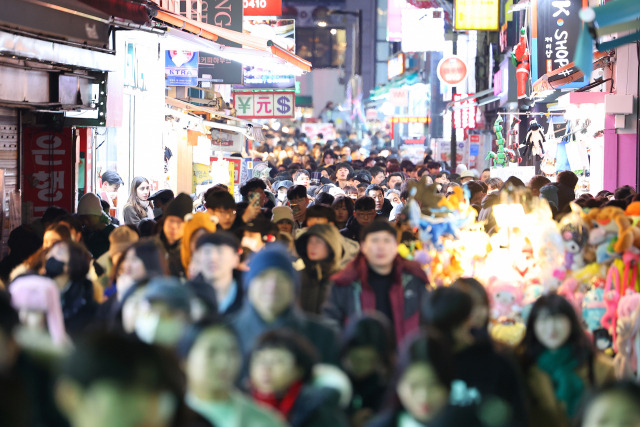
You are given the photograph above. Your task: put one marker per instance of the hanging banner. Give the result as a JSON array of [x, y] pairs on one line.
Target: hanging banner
[[479, 15], [47, 165], [225, 14], [464, 114], [262, 7], [279, 105], [181, 68], [555, 28]]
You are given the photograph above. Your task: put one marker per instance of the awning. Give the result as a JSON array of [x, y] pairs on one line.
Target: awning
[[212, 32], [69, 20], [252, 130], [133, 11]]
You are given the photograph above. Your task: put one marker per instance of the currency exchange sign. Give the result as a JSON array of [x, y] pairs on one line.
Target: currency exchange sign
[[264, 105]]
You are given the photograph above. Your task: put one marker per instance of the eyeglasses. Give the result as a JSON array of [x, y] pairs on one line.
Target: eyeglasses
[[366, 214], [227, 213]]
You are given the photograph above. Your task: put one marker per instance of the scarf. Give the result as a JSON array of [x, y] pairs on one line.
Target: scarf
[[282, 404], [561, 366]]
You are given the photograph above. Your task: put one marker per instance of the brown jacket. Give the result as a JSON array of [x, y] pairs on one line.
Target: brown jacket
[[545, 409]]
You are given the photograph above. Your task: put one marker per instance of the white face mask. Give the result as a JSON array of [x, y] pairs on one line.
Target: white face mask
[[154, 330]]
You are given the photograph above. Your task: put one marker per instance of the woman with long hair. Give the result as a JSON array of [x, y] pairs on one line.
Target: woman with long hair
[[138, 205], [559, 362]]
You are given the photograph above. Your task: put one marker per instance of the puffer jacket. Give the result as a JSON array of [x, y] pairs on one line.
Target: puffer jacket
[[315, 282]]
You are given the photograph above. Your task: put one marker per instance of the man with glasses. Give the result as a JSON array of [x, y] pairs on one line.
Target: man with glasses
[[364, 213], [223, 206]]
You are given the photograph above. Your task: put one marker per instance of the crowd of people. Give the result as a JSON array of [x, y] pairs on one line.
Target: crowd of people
[[292, 307]]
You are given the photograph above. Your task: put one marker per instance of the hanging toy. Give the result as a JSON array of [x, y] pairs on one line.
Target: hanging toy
[[514, 144], [520, 57], [533, 145], [500, 157]]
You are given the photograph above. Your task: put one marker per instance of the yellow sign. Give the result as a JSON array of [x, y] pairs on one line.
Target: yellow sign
[[481, 15]]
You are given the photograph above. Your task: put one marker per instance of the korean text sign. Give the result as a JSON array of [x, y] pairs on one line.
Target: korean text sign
[[47, 170]]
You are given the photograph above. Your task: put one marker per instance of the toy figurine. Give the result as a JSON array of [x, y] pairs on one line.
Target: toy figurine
[[520, 57], [500, 157]]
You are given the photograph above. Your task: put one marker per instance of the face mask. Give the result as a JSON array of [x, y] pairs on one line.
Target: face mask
[[54, 268], [157, 212], [154, 330]]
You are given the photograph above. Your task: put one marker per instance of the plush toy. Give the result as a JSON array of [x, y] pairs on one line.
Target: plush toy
[[627, 344], [575, 236], [509, 334], [531, 295], [506, 300], [611, 231], [593, 308], [626, 308], [570, 290]]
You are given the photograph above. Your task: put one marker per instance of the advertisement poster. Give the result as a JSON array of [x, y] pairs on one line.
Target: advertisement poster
[[262, 7], [48, 180], [312, 130], [227, 141], [281, 32], [181, 68], [554, 34], [479, 15]]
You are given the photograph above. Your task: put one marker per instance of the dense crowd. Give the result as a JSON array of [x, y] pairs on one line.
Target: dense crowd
[[292, 307]]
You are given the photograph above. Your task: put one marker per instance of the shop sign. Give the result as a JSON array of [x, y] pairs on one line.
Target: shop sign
[[464, 115], [399, 97], [280, 105], [218, 70], [423, 120], [452, 70], [554, 36], [226, 141], [312, 130], [280, 31], [47, 166], [181, 68], [134, 75], [395, 66], [237, 168], [479, 15], [262, 7]]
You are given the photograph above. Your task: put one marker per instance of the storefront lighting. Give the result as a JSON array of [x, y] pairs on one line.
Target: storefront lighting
[[508, 214], [285, 129], [276, 126], [322, 24], [333, 31]]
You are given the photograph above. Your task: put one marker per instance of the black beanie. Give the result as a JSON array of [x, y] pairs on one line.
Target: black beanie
[[180, 206], [378, 225]]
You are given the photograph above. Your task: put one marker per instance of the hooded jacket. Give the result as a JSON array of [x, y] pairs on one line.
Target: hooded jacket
[[352, 229], [352, 295], [315, 278]]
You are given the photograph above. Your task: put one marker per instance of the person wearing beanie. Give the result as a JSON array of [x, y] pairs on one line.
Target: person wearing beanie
[[170, 237], [218, 284], [379, 279], [320, 248], [549, 192], [96, 225], [271, 283], [283, 219]]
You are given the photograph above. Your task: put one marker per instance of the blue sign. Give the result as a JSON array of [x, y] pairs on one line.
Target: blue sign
[[181, 68]]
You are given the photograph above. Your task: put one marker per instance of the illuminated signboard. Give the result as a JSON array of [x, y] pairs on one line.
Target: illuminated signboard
[[395, 66], [262, 7], [464, 116], [480, 15], [452, 70]]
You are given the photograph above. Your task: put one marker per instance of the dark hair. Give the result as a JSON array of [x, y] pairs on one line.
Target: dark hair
[[375, 170], [218, 199], [112, 178], [146, 227], [555, 305], [538, 181], [133, 200], [474, 188], [514, 181], [52, 214], [252, 185], [193, 332], [365, 203], [9, 319], [471, 286], [324, 198], [301, 172], [151, 256], [305, 355], [567, 178], [73, 221], [346, 201], [297, 192], [371, 329], [321, 211], [433, 165], [61, 230], [628, 388], [79, 260], [397, 174], [407, 165], [446, 309], [377, 226], [494, 182], [373, 187], [624, 192]]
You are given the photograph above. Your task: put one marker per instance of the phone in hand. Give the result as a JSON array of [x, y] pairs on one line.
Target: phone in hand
[[254, 199]]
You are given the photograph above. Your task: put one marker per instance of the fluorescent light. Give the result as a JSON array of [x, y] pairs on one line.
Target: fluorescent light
[[322, 24]]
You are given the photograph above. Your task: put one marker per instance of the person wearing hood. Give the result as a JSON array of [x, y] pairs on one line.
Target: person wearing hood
[[271, 284], [549, 192], [170, 237], [96, 225], [321, 251]]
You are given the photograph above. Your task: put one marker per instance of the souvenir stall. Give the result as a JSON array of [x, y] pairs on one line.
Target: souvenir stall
[[590, 258]]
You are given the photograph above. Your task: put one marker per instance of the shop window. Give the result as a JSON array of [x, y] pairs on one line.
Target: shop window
[[323, 47]]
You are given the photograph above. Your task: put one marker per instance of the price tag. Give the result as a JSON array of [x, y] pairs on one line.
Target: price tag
[[262, 7]]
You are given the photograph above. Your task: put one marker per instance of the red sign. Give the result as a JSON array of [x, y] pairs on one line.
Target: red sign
[[452, 70], [464, 113], [237, 167], [262, 7], [47, 166]]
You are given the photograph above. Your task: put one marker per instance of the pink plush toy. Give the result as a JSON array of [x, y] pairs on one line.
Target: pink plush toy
[[570, 291], [506, 300]]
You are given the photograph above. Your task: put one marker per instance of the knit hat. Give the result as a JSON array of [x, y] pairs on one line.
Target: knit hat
[[273, 256], [377, 226], [180, 206], [219, 238], [195, 222], [169, 290], [282, 213], [89, 204], [120, 239], [38, 293], [550, 193]]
